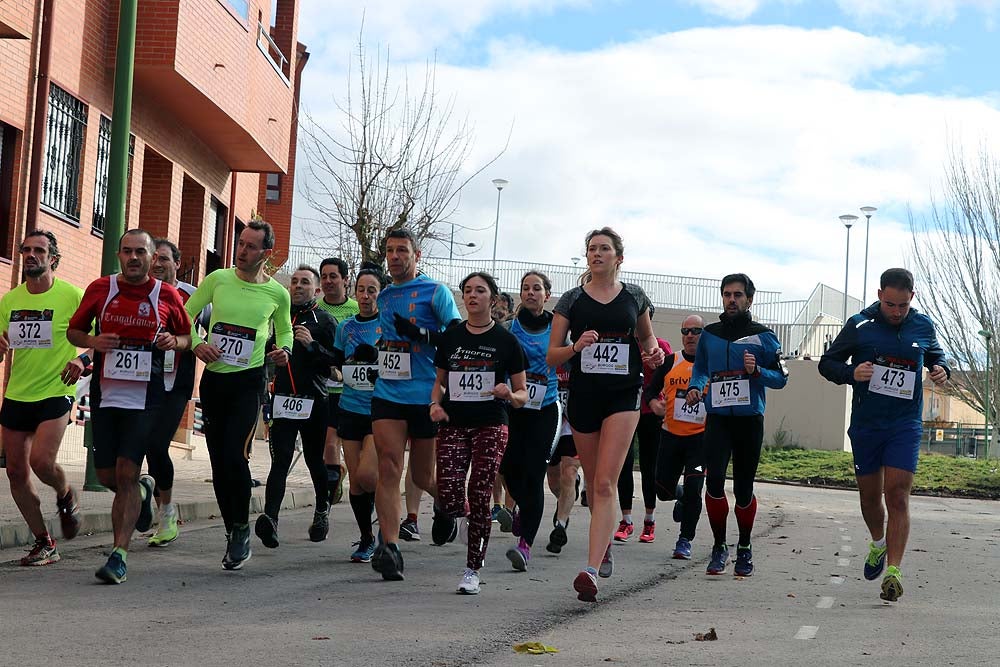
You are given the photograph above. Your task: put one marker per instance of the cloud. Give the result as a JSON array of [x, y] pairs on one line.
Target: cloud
[[897, 12], [735, 10]]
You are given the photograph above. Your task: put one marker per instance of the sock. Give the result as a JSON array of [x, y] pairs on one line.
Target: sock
[[45, 536], [362, 513], [121, 552], [744, 519], [650, 517], [592, 570], [410, 516], [718, 512], [561, 523], [169, 509], [879, 543], [627, 518]]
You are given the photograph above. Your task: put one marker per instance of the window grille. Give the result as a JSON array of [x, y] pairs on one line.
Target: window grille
[[63, 149], [103, 165]]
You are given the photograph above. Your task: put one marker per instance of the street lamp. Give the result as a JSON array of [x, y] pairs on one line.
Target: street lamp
[[987, 335], [848, 220], [451, 244], [499, 183], [575, 260], [868, 211]]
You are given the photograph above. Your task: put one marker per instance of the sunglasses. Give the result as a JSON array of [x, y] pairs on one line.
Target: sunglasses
[[690, 331]]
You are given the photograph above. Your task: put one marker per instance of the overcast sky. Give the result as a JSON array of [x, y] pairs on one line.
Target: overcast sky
[[714, 135]]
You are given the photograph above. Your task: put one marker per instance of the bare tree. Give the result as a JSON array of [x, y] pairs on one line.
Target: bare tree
[[956, 251], [396, 161]]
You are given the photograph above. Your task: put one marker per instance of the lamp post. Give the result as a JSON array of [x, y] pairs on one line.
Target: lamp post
[[868, 211], [848, 220], [987, 335], [499, 183], [451, 244]]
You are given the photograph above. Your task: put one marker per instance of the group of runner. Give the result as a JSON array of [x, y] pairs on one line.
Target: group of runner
[[541, 395]]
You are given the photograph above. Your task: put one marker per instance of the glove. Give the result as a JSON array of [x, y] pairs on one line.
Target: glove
[[408, 329], [365, 354]]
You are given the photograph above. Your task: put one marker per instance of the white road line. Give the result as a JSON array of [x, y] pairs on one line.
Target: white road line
[[843, 530], [846, 548], [807, 632], [825, 602], [843, 562], [846, 538], [837, 580], [837, 521]]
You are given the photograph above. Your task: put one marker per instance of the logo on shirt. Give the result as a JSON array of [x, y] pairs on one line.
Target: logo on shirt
[[144, 309]]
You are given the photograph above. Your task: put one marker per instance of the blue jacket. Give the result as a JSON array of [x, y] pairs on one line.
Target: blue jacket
[[719, 360], [867, 336]]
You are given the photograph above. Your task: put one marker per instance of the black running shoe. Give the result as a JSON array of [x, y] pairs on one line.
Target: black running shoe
[[557, 540], [145, 520], [320, 526], [239, 548], [378, 557], [267, 530], [409, 531], [392, 563], [443, 528]]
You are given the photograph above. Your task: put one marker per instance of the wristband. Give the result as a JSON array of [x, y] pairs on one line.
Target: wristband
[[85, 359]]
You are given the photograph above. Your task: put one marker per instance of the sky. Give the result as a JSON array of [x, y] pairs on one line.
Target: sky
[[715, 136]]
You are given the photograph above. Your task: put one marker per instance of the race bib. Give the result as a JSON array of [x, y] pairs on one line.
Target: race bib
[[236, 343], [129, 362], [360, 377], [692, 414], [330, 383], [291, 407], [30, 329], [169, 358], [471, 385], [730, 389], [394, 361], [606, 357], [564, 399], [538, 385], [893, 377]]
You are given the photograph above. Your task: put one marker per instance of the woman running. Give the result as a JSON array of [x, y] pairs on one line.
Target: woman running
[[355, 354], [612, 337], [532, 427], [469, 398]]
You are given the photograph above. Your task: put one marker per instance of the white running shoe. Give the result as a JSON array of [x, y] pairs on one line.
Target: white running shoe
[[470, 583]]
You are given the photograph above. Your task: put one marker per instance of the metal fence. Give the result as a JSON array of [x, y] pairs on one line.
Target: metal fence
[[966, 440]]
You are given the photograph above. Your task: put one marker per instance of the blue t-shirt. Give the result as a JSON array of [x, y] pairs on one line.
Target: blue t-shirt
[[535, 345], [359, 373], [429, 305]]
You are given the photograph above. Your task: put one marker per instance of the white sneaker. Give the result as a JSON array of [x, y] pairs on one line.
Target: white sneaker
[[463, 530], [470, 583]]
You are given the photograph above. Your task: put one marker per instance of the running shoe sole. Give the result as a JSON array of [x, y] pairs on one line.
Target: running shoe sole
[[892, 589], [517, 560], [267, 531], [108, 576], [557, 540], [155, 541], [236, 564], [681, 556], [585, 587], [406, 533], [69, 516], [145, 520]]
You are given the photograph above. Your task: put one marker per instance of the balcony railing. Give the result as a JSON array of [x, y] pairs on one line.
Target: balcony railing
[[274, 55]]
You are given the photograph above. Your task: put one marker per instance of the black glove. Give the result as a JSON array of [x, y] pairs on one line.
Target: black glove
[[408, 329], [365, 354]]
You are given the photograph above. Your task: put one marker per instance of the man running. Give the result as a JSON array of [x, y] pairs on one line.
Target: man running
[[138, 319], [564, 471], [34, 317], [333, 276], [741, 358], [888, 343], [245, 303], [413, 311]]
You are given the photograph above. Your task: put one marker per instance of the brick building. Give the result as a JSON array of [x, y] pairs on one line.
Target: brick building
[[213, 122]]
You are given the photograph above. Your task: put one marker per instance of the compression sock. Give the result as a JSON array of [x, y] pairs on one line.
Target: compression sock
[[744, 519], [718, 513]]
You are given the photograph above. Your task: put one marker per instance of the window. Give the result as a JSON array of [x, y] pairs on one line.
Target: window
[[103, 165], [63, 149], [273, 192], [8, 146], [218, 215], [239, 7]]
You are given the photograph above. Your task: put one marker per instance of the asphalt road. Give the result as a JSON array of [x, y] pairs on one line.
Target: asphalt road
[[306, 604]]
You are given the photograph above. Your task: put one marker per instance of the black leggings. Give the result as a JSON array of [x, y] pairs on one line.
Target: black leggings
[[230, 406], [161, 468], [525, 463], [282, 446], [682, 454], [648, 432], [741, 439]]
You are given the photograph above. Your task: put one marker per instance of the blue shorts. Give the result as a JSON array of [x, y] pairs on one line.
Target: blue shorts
[[895, 447]]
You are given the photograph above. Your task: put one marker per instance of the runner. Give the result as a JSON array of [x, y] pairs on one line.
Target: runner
[[334, 274], [533, 427], [740, 357], [682, 440], [503, 504], [413, 311], [138, 319], [299, 407], [473, 360], [608, 324], [564, 471], [34, 317], [354, 352], [178, 380], [245, 303], [888, 343]]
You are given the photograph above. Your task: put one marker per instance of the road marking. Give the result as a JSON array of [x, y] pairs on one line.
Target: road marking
[[846, 538], [847, 548], [825, 602], [807, 632], [843, 530], [837, 521], [843, 562], [837, 580]]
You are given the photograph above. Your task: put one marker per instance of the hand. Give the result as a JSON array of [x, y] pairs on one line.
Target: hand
[[302, 335], [438, 414], [278, 356], [654, 358], [166, 341], [502, 391], [4, 344], [938, 375], [71, 373], [658, 407], [863, 372], [407, 329], [693, 396], [749, 362], [586, 339], [105, 342], [207, 352]]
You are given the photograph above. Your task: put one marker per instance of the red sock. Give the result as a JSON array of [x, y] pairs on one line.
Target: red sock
[[744, 519], [718, 513], [411, 517]]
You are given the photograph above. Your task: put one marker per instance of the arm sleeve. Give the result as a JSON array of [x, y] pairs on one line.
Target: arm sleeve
[[774, 375], [321, 350], [655, 386], [202, 297], [282, 319], [833, 364], [934, 356], [699, 372]]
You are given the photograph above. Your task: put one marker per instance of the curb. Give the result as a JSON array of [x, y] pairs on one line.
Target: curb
[[921, 493]]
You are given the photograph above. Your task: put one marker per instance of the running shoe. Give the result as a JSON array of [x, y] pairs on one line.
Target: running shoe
[[408, 530], [469, 585], [443, 527], [69, 514], [365, 550], [720, 556], [114, 571], [145, 520], [678, 513], [682, 550], [320, 526], [515, 524], [505, 519], [743, 567], [519, 555], [892, 584], [648, 532], [378, 556], [391, 566], [579, 478], [43, 552], [557, 540], [494, 512], [166, 532], [583, 500], [625, 530], [267, 530], [875, 562], [463, 530], [239, 548], [607, 565], [585, 586], [337, 492]]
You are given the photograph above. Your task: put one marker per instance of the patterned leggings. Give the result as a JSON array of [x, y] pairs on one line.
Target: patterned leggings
[[457, 447]]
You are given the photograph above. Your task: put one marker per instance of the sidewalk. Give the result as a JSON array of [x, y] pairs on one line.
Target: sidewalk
[[193, 493]]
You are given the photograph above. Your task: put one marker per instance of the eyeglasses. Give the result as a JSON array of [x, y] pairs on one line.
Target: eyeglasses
[[690, 331]]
